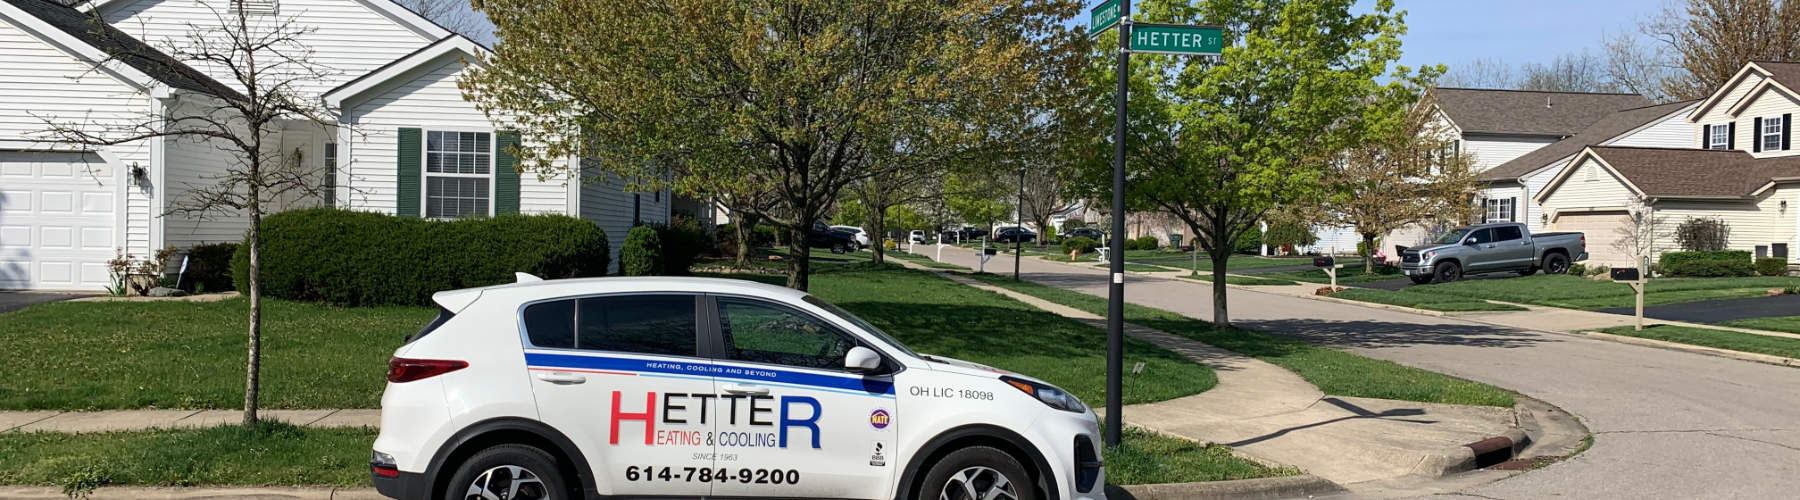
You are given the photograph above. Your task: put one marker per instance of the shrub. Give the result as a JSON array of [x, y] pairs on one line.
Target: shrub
[[1283, 233], [1771, 266], [1049, 234], [1719, 263], [365, 258], [1251, 241], [1080, 244], [642, 254], [682, 241], [1143, 243], [1578, 269], [209, 267], [1703, 235]]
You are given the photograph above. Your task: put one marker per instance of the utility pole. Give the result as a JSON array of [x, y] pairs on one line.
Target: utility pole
[[1019, 222], [1115, 293]]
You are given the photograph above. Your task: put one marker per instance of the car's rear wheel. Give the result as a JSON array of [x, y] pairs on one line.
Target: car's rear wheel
[[839, 247], [1556, 263], [510, 472], [978, 473], [1446, 272], [1419, 280]]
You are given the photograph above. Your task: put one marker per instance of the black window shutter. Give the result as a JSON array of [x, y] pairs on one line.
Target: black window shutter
[[1706, 137], [1756, 135], [506, 173], [1731, 136], [1787, 131], [407, 171]]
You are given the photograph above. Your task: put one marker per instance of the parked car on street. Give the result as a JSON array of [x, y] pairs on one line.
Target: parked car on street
[[964, 234], [1086, 232], [916, 236], [1490, 248], [701, 387], [839, 241], [862, 237], [1011, 234]]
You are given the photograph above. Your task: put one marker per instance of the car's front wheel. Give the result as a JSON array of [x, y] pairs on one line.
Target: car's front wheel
[[839, 247], [1419, 280], [978, 473], [1446, 272], [1556, 263], [509, 471]]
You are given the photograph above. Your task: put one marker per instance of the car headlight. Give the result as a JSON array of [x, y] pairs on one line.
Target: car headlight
[[1050, 395]]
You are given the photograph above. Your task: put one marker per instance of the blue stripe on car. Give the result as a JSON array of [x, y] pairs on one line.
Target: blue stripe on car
[[760, 374]]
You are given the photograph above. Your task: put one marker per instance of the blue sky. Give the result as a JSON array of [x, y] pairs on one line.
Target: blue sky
[[1516, 31]]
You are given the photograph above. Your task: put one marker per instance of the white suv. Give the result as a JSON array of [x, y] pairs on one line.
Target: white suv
[[696, 387]]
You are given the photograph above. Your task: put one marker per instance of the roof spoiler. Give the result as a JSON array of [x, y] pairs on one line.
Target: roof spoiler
[[525, 278]]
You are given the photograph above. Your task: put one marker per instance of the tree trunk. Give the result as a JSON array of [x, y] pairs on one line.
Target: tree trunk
[[1221, 255], [1043, 238], [878, 234], [746, 233], [253, 353], [799, 260], [1369, 256]]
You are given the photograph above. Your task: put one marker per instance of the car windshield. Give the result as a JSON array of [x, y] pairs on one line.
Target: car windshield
[[841, 313], [1453, 237]]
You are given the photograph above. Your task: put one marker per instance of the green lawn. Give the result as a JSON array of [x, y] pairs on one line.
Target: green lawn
[[274, 454], [1582, 293], [925, 260], [1149, 458], [1334, 372], [1789, 324], [108, 355], [1241, 280], [1721, 339], [1351, 273], [1185, 260], [1421, 300]]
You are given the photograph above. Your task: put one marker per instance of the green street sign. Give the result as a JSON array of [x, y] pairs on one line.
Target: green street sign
[[1177, 39], [1103, 16]]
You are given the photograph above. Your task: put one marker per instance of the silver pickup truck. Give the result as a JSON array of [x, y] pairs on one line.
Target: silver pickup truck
[[1490, 248]]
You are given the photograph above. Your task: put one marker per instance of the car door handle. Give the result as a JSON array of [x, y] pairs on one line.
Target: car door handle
[[745, 389], [561, 377]]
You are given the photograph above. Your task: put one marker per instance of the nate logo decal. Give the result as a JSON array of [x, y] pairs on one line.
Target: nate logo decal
[[879, 418]]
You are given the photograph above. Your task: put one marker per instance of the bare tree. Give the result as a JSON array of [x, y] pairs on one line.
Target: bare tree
[[1046, 193], [1638, 68], [1577, 72], [454, 15], [1482, 73], [269, 60], [1710, 40], [1637, 236]]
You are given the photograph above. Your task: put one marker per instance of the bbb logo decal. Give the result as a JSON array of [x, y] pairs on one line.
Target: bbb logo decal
[[879, 418]]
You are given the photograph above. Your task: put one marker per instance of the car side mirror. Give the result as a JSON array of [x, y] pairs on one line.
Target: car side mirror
[[1470, 242], [862, 360]]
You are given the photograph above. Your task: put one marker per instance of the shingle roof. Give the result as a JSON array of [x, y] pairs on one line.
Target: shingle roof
[[1529, 112], [1601, 131], [1696, 172], [1787, 73], [124, 48]]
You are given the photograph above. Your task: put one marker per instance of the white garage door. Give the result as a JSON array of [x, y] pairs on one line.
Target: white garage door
[[57, 220], [1602, 230]]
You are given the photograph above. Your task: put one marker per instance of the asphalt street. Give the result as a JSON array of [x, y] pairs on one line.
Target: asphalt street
[[1667, 424], [1720, 311]]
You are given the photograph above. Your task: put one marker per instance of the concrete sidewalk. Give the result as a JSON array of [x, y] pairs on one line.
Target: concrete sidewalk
[[1272, 415], [130, 420]]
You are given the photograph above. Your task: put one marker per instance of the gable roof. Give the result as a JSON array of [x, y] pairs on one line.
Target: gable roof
[[454, 44], [1529, 112], [1689, 173], [1608, 128], [118, 46], [390, 9], [1787, 73]]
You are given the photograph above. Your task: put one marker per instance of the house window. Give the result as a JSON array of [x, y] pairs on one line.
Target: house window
[[331, 165], [1770, 135], [1720, 137], [1498, 209], [459, 175]]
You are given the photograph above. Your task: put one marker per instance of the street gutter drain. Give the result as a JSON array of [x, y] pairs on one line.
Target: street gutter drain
[[1491, 451]]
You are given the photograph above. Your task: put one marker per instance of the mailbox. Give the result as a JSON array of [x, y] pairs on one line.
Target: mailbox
[[990, 251], [1625, 274], [1325, 261]]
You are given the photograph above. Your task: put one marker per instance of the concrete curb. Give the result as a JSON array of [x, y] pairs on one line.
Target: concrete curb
[[146, 493], [1305, 485], [1696, 349], [1553, 431], [1379, 305]]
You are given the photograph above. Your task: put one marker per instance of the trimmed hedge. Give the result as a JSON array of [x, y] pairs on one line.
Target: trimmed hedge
[[209, 268], [642, 254], [1707, 264], [682, 241], [1081, 244], [365, 258], [1772, 266]]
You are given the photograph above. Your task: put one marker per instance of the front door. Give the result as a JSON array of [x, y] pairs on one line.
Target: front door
[[1482, 258], [793, 422], [622, 377]]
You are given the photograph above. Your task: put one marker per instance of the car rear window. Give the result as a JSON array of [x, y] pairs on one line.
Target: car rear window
[[443, 316]]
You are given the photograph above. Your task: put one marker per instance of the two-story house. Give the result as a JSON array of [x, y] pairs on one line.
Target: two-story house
[[1737, 165], [404, 140]]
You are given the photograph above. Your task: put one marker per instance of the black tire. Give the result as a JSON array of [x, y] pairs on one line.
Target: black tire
[[990, 462], [1419, 280], [502, 463], [838, 247], [1556, 263], [1446, 272]]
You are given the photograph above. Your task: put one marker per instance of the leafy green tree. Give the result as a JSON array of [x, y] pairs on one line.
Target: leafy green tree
[[796, 99], [1218, 142]]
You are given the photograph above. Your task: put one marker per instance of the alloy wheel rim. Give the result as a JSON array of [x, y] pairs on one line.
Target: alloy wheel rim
[[978, 483], [507, 482]]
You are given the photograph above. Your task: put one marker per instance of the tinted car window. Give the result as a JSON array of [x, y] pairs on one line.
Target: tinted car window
[[551, 324], [641, 324], [766, 333], [1507, 233], [1481, 236]]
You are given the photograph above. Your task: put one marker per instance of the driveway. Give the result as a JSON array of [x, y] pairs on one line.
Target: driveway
[[1667, 424], [1719, 311], [14, 300]]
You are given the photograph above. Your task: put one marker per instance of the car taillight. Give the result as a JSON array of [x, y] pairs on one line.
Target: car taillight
[[407, 370]]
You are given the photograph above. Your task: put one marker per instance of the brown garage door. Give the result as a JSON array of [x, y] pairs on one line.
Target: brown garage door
[[1602, 230]]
